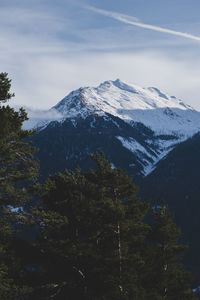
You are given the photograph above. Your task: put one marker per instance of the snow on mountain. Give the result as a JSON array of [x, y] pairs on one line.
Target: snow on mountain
[[148, 160], [165, 115]]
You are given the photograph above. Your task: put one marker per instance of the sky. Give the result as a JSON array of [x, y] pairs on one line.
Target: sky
[[50, 48]]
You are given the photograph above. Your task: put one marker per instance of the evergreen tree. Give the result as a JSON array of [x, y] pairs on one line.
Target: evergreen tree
[[91, 235], [17, 170], [124, 233], [165, 275]]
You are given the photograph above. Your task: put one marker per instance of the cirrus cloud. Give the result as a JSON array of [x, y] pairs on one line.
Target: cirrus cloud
[[135, 22]]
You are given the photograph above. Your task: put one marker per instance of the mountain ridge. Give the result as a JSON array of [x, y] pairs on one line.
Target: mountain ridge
[[130, 103], [170, 120]]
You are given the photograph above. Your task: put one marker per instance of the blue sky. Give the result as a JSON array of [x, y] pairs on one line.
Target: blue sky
[[51, 47]]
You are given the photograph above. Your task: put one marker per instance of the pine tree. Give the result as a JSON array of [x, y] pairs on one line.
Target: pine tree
[[91, 235], [17, 170], [124, 231], [166, 277]]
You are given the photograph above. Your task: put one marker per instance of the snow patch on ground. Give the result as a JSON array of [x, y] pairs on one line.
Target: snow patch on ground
[[113, 166], [149, 161], [132, 145]]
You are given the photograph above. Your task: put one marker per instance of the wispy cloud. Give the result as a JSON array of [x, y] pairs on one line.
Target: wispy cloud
[[135, 22], [48, 53], [60, 75]]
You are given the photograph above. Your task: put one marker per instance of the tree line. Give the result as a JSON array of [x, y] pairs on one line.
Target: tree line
[[80, 235]]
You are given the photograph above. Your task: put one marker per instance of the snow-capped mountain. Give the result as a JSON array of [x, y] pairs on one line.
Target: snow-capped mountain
[[161, 112], [123, 105]]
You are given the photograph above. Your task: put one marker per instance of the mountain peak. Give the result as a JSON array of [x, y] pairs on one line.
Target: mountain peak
[[118, 83], [157, 110], [131, 103], [114, 95], [125, 86]]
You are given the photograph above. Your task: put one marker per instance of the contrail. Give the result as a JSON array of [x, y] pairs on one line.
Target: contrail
[[134, 21]]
